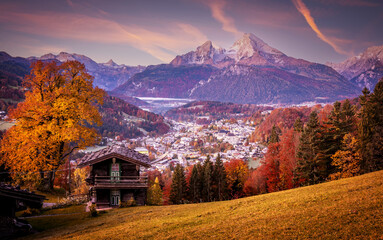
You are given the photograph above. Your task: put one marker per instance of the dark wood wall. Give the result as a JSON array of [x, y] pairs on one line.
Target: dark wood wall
[[103, 168]]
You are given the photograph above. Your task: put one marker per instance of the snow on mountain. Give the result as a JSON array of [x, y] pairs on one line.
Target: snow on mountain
[[204, 54], [111, 63], [365, 70], [106, 75], [250, 71], [248, 45]]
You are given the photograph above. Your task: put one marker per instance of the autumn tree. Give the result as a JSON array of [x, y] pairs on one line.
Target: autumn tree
[[271, 167], [237, 173], [287, 159], [348, 159], [54, 120], [154, 195]]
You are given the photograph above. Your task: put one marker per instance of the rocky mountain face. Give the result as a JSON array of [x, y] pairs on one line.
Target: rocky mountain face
[[106, 75], [364, 70], [165, 80], [248, 72]]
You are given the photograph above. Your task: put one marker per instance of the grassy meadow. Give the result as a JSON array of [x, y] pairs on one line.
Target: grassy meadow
[[345, 209]]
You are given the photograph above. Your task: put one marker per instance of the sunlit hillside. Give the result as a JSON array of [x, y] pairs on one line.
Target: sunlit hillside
[[345, 209]]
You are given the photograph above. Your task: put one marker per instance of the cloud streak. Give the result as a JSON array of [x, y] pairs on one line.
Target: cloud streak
[[217, 10], [161, 45], [302, 8]]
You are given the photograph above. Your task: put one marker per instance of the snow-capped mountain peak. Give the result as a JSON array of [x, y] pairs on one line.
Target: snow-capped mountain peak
[[246, 46], [111, 63]]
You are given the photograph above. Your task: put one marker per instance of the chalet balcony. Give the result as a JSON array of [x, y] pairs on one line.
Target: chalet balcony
[[120, 182]]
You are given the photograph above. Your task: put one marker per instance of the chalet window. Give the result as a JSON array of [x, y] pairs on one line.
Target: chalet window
[[115, 172], [114, 197]]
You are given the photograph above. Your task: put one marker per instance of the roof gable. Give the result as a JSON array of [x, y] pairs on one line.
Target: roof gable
[[116, 151]]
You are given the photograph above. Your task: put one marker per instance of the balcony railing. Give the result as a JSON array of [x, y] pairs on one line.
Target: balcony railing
[[121, 181]]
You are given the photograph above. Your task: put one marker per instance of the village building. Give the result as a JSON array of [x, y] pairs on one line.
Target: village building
[[116, 175]]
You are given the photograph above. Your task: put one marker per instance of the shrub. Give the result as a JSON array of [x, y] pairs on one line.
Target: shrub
[[30, 212], [130, 203], [92, 210]]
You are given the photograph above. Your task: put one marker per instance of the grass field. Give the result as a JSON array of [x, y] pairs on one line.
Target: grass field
[[345, 209]]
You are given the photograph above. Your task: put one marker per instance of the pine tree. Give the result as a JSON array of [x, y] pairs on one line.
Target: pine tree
[[194, 190], [207, 180], [219, 180], [274, 136], [155, 193], [298, 125], [310, 166], [178, 187], [371, 128]]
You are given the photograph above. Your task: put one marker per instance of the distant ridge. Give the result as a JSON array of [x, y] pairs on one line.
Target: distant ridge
[[250, 71]]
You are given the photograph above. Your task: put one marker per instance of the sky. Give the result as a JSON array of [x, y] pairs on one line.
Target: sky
[[147, 32]]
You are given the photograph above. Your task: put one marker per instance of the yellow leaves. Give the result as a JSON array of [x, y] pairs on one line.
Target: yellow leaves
[[54, 118], [348, 159]]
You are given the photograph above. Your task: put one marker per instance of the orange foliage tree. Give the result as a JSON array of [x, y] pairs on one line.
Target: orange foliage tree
[[54, 120], [237, 173], [348, 160]]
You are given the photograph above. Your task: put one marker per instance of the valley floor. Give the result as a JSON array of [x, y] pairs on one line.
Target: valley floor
[[345, 209]]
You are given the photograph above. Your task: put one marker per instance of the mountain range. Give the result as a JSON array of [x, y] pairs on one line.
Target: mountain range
[[107, 75], [364, 70], [250, 71]]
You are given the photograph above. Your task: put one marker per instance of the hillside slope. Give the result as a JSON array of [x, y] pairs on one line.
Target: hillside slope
[[345, 209]]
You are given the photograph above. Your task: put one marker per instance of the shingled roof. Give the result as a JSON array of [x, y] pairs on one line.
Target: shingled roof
[[10, 191], [116, 151]]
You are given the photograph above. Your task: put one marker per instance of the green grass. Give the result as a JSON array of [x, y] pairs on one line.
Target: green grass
[[344, 209]]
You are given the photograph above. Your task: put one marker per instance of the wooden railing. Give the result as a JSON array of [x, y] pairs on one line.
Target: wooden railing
[[121, 180]]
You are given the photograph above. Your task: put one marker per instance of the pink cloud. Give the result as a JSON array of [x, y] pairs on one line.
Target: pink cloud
[[302, 8], [179, 38], [217, 10]]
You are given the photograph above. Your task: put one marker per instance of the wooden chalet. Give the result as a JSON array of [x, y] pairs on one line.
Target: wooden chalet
[[116, 175]]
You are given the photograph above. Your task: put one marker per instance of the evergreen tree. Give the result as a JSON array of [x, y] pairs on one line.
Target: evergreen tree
[[310, 166], [348, 118], [155, 193], [371, 128], [207, 180], [298, 125], [194, 190], [274, 136], [219, 180], [178, 187]]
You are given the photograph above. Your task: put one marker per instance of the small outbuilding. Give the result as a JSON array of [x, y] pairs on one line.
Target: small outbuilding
[[14, 199]]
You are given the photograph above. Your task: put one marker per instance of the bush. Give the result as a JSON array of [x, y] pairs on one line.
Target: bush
[[30, 212], [92, 210], [130, 203]]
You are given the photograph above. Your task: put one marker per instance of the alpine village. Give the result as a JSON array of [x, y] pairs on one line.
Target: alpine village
[[222, 120]]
